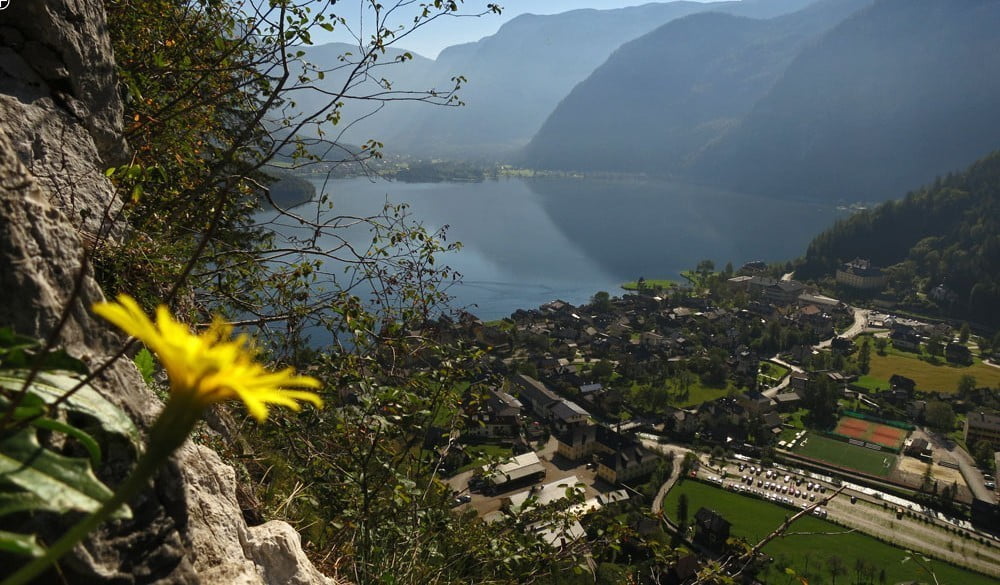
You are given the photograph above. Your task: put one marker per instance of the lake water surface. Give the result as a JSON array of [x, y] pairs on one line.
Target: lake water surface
[[529, 241]]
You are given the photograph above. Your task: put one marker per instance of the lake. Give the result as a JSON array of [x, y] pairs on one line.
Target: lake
[[529, 241]]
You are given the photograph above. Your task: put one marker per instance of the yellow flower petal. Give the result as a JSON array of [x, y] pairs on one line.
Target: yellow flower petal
[[210, 367]]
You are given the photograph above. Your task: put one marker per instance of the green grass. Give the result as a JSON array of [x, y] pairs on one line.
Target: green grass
[[871, 383], [698, 393], [753, 519], [846, 455], [771, 374], [943, 377], [651, 284], [483, 454]]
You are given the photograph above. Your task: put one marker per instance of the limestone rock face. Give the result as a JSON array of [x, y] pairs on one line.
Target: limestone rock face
[[59, 103], [60, 126]]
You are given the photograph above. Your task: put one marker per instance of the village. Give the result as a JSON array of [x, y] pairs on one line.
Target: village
[[746, 383]]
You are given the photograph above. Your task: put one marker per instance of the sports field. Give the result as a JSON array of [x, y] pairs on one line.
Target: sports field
[[871, 432], [753, 519], [847, 455]]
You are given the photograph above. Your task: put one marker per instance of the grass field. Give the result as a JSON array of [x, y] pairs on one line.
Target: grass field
[[753, 519], [483, 454], [771, 374], [846, 455], [697, 394], [943, 377], [651, 284]]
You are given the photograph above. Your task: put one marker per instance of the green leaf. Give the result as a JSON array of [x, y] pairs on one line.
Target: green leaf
[[50, 386], [88, 442], [21, 352], [64, 483], [21, 501], [20, 544], [146, 364]]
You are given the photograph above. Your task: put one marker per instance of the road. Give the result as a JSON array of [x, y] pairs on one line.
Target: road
[[967, 465], [772, 392], [678, 453], [859, 325], [875, 514]]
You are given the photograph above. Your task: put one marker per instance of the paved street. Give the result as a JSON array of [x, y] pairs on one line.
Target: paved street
[[678, 453], [966, 464]]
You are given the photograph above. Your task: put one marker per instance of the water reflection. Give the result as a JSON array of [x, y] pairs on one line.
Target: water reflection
[[530, 241], [659, 228]]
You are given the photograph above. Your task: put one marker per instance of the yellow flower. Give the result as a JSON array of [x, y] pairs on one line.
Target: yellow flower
[[209, 367]]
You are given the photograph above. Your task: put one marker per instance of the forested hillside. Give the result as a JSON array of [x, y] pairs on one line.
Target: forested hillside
[[894, 96], [840, 101], [946, 234], [660, 100]]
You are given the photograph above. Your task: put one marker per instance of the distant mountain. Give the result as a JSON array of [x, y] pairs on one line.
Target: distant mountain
[[663, 98], [361, 119], [515, 77], [941, 244], [837, 101], [892, 97]]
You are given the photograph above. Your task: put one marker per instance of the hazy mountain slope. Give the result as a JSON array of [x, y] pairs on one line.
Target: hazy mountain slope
[[659, 100], [895, 95], [947, 233], [337, 61], [517, 76]]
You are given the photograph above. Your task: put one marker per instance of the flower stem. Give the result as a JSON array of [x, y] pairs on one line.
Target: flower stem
[[168, 433]]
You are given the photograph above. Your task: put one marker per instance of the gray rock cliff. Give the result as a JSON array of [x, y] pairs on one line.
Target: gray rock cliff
[[60, 126]]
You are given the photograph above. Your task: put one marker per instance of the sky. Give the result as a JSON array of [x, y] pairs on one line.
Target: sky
[[445, 32]]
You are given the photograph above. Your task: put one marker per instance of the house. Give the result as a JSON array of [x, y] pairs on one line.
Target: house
[[943, 294], [772, 420], [710, 528], [519, 471], [915, 409], [685, 569], [784, 292], [798, 381], [577, 443], [897, 382], [740, 282], [556, 307], [919, 448], [787, 401], [957, 353], [497, 417], [824, 302], [626, 463], [980, 426], [842, 345], [565, 414], [746, 361], [534, 393], [682, 422], [621, 459], [905, 338], [861, 274], [755, 402]]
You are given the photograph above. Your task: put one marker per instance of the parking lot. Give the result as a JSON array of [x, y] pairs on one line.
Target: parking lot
[[773, 485]]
